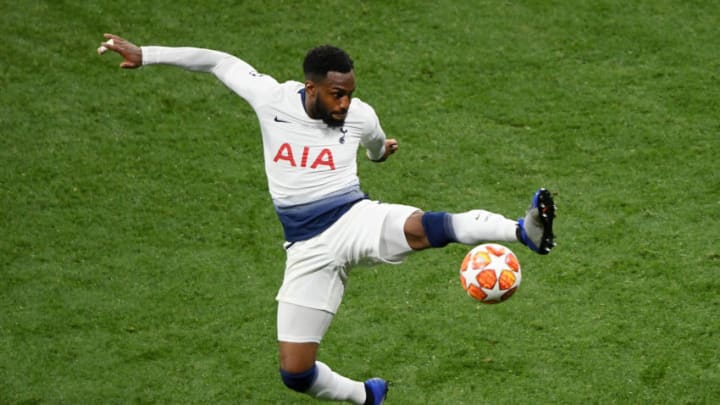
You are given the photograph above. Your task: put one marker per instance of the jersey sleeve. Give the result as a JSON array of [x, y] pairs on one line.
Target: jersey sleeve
[[235, 73], [373, 138]]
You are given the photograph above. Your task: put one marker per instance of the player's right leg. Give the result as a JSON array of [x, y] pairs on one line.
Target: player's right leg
[[311, 292], [300, 330]]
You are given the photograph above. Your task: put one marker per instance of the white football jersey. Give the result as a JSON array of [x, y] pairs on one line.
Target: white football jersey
[[311, 167]]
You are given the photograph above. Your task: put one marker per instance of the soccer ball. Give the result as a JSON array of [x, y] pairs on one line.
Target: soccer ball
[[490, 273]]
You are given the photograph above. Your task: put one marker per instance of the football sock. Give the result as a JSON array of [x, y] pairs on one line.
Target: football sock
[[299, 382], [330, 385], [477, 226], [438, 228]]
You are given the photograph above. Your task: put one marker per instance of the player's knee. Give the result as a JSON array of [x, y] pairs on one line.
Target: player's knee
[[415, 232], [299, 382]]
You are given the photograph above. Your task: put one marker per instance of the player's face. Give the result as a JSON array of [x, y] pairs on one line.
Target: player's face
[[332, 97]]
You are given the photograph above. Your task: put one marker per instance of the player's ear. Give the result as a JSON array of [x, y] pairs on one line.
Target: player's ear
[[310, 87]]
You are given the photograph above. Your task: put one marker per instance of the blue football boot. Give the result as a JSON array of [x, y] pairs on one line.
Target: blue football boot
[[376, 389], [535, 230]]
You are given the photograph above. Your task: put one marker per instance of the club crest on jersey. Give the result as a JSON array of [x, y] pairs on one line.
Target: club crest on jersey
[[323, 158], [342, 138]]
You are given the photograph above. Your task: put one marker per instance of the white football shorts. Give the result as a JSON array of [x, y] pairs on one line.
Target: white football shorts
[[298, 324], [316, 269]]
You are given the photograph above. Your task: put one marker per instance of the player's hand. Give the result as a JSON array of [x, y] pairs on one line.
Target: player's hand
[[391, 146], [131, 53]]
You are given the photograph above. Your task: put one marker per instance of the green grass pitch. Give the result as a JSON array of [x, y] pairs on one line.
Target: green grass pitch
[[140, 254]]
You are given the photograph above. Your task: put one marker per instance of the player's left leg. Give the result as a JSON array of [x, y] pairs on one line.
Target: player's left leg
[[437, 229]]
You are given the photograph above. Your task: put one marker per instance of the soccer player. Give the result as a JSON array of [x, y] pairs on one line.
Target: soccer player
[[311, 132]]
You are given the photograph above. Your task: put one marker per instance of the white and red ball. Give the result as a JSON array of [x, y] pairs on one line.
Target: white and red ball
[[490, 273]]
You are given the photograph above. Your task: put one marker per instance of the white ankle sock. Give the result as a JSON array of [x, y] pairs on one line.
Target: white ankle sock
[[478, 226], [330, 385]]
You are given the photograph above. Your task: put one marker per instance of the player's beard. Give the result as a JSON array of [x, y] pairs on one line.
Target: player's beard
[[324, 114]]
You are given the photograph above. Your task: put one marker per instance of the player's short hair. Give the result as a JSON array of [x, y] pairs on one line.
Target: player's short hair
[[326, 58]]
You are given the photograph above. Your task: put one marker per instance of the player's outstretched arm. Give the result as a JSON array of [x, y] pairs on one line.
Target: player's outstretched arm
[[238, 75], [194, 59], [131, 53]]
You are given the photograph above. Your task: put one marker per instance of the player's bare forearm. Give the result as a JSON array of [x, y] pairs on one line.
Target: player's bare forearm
[[131, 53]]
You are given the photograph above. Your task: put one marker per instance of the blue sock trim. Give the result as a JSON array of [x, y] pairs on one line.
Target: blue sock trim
[[300, 382], [438, 228]]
